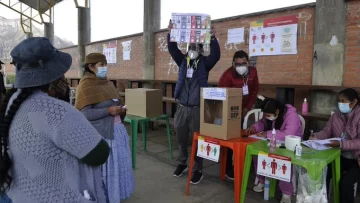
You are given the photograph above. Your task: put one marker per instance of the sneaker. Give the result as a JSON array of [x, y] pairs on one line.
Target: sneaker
[[259, 187], [197, 177], [230, 174], [180, 170], [285, 199]]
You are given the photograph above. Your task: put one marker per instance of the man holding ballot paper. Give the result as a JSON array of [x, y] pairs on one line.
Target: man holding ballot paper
[[193, 74]]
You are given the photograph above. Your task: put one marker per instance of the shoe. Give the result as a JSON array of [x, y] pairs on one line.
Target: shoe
[[230, 174], [180, 170], [197, 177], [285, 199], [259, 187]]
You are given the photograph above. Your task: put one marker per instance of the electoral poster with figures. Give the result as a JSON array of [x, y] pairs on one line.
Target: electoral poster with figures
[[190, 28], [274, 36]]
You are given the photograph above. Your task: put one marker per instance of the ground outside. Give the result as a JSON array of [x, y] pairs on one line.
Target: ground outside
[[155, 182]]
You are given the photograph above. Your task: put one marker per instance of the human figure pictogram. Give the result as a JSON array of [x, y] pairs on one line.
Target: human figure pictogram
[[272, 37], [263, 37], [264, 164], [215, 151], [254, 38], [284, 169], [273, 167], [208, 149]]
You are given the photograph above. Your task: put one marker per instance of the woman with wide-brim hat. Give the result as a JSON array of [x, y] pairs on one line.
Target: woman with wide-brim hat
[[49, 152]]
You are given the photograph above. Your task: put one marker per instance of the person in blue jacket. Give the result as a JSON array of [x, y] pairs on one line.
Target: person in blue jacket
[[193, 74]]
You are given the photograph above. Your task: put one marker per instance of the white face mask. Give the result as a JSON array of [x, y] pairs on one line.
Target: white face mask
[[241, 69], [193, 54], [102, 72], [271, 118]]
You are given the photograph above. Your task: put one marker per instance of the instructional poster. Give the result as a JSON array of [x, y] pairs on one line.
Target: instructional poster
[[191, 28], [274, 166], [274, 36], [208, 149], [109, 50]]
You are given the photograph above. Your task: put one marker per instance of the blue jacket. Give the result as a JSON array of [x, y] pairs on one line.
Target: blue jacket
[[205, 64]]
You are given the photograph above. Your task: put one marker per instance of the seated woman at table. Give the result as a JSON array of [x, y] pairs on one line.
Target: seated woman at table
[[286, 121], [345, 124]]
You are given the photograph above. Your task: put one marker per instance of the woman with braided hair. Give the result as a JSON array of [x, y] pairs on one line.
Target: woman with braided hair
[[49, 152]]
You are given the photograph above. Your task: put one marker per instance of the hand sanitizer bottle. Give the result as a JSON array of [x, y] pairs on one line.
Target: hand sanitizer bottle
[[273, 141], [305, 107], [266, 189]]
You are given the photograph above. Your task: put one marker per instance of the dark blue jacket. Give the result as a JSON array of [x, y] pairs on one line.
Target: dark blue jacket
[[205, 64]]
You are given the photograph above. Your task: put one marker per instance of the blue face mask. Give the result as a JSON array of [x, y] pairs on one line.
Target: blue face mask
[[344, 107], [102, 72]]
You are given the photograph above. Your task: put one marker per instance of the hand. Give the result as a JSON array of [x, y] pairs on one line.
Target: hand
[[170, 26], [123, 111], [333, 144], [115, 110], [262, 134], [212, 32], [244, 112], [250, 131], [312, 137]]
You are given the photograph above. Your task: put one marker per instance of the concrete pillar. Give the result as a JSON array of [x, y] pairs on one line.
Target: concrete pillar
[[329, 50], [28, 35], [152, 13], [49, 31], [84, 35]]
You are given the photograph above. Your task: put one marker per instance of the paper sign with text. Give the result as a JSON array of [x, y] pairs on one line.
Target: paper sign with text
[[208, 149], [214, 93], [274, 166]]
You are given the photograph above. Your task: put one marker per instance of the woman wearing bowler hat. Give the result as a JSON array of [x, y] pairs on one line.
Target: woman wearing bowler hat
[[49, 152]]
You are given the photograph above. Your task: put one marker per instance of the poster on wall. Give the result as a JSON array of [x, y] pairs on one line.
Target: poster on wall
[[190, 28], [236, 35], [274, 36], [126, 50], [109, 50]]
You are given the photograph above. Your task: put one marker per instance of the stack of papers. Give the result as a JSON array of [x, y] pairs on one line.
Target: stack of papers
[[257, 137], [319, 144]]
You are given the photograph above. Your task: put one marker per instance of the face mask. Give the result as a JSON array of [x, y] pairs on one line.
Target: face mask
[[344, 107], [271, 118], [193, 54], [242, 70], [102, 72]]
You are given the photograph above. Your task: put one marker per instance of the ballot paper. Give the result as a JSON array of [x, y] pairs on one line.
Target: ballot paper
[[319, 144], [257, 137]]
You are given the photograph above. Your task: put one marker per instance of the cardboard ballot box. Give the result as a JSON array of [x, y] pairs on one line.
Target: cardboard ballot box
[[144, 102], [220, 112]]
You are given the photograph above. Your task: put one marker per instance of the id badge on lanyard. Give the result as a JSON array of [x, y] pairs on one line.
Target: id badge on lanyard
[[190, 70], [246, 87]]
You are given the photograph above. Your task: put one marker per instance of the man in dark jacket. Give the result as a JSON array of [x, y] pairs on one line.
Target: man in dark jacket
[[193, 74], [240, 75], [2, 84]]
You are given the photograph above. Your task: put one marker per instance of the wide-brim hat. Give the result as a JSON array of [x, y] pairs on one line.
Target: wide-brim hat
[[38, 62]]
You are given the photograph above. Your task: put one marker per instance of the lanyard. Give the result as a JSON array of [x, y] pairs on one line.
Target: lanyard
[[194, 65], [246, 79]]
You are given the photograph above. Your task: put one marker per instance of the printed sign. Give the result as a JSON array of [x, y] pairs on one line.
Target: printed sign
[[208, 149], [274, 166], [214, 93], [236, 35], [274, 36], [190, 28], [109, 50], [126, 50]]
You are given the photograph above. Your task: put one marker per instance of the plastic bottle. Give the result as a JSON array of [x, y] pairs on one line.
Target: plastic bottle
[[273, 140], [266, 189], [305, 107]]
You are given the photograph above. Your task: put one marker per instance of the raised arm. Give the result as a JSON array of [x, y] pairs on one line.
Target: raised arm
[[214, 56]]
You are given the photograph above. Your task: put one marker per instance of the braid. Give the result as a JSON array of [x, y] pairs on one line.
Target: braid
[[5, 122]]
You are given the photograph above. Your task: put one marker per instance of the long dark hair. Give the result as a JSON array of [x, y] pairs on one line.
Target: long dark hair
[[5, 122], [270, 106], [87, 69]]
